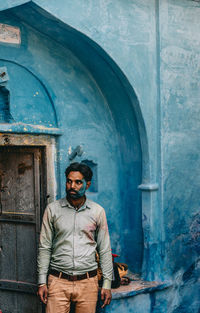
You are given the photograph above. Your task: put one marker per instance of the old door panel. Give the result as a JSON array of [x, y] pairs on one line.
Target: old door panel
[[26, 253], [17, 182], [20, 186], [8, 254]]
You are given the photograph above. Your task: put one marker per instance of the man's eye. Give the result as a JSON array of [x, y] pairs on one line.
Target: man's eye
[[69, 181], [79, 182]]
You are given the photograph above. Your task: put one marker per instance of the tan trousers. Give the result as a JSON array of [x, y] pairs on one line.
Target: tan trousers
[[61, 292]]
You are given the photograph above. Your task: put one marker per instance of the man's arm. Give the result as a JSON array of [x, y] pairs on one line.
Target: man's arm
[[105, 257], [44, 255]]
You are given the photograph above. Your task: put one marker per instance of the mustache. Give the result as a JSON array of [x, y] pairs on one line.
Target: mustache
[[69, 190]]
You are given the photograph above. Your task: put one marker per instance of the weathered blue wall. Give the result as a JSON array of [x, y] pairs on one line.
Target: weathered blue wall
[[134, 66], [61, 92], [180, 94]]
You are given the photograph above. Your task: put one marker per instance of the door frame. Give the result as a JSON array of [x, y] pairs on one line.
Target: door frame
[[47, 144]]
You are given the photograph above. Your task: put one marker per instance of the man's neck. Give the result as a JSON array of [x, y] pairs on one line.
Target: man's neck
[[77, 203]]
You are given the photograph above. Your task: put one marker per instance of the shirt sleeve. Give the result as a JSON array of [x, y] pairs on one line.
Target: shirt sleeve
[[45, 246], [104, 250]]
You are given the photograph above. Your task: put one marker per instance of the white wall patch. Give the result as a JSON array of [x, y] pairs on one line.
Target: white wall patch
[[10, 34]]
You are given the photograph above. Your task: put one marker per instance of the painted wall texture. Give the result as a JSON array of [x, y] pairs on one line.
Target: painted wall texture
[[121, 79]]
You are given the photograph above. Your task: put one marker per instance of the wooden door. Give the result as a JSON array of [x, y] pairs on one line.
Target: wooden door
[[21, 184]]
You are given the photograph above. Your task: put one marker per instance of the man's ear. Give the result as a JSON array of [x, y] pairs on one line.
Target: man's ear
[[88, 184]]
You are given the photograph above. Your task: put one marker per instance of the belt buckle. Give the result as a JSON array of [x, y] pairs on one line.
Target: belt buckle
[[72, 277]]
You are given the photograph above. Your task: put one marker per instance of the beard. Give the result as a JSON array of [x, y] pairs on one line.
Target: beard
[[73, 194]]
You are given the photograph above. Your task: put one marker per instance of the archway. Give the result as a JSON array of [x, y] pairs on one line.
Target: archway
[[132, 148]]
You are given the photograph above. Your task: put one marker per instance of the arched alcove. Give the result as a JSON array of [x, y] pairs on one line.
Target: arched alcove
[[125, 148], [28, 102]]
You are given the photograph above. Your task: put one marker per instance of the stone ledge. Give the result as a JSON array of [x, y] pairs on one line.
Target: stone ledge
[[29, 129], [137, 287]]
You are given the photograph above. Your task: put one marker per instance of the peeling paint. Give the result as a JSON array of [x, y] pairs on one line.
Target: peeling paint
[[9, 34]]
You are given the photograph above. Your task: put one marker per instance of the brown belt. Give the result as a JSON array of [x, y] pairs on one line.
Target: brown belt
[[73, 277]]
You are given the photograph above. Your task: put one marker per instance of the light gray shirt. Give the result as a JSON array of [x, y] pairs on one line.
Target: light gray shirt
[[69, 240]]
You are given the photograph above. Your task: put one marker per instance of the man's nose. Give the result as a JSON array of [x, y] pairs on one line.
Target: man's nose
[[73, 184]]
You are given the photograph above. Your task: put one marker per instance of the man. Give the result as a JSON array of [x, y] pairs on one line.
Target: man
[[73, 229]]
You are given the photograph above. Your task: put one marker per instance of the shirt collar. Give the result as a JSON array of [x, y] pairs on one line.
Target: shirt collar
[[65, 203]]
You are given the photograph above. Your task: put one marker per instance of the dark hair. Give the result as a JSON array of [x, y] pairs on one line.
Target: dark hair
[[84, 169]]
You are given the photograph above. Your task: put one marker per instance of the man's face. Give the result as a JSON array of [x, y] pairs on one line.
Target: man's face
[[76, 185]]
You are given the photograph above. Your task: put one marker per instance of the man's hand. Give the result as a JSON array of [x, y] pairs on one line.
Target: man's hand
[[106, 296], [42, 293]]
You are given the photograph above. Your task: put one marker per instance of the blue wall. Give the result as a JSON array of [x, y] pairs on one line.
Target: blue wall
[[134, 68], [61, 92]]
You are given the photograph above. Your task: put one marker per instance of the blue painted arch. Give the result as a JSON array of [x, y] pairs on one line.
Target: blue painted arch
[[133, 163], [36, 99], [96, 60]]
